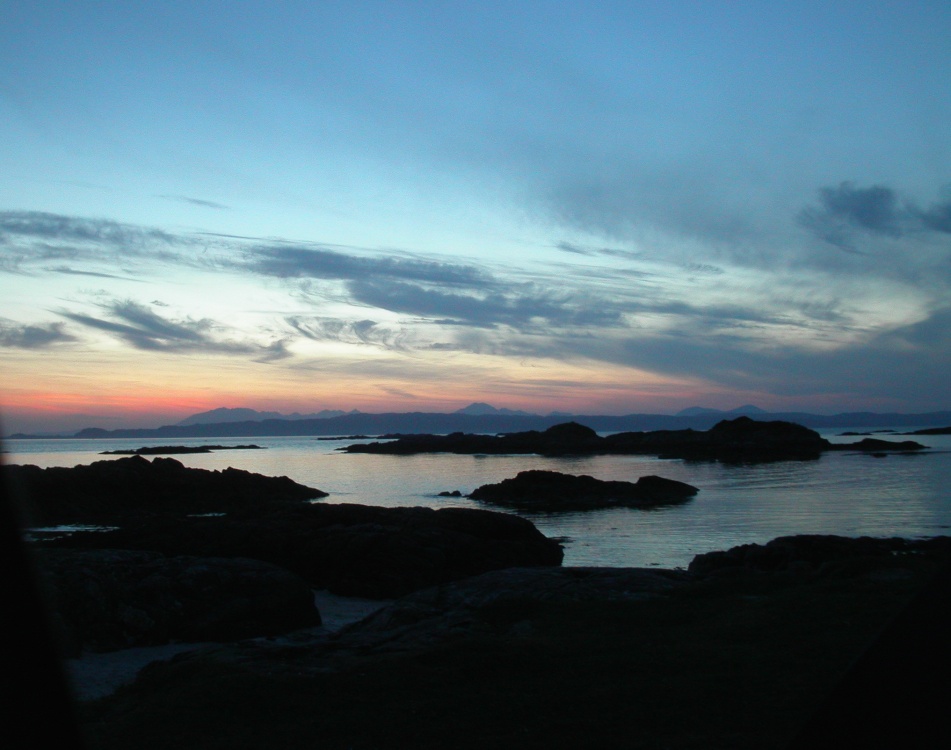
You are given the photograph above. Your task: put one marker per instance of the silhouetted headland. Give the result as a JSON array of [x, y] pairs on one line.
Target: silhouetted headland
[[930, 431]]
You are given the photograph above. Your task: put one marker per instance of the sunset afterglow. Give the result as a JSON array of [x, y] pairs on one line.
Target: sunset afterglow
[[625, 207]]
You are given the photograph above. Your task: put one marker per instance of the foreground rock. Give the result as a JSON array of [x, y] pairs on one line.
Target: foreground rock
[[552, 491], [736, 657], [731, 441], [352, 550], [113, 599], [815, 554], [115, 491], [463, 608], [162, 506]]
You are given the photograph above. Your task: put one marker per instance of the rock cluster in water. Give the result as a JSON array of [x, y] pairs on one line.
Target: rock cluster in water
[[218, 554], [737, 441]]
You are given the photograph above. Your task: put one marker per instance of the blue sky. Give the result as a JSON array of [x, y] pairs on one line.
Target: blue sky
[[635, 206]]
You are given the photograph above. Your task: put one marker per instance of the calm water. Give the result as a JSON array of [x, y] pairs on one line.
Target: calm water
[[841, 493]]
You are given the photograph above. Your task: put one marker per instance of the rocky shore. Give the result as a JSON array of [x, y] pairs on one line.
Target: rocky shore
[[481, 638], [188, 554], [743, 650]]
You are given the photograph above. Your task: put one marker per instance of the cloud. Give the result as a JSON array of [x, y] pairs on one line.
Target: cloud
[[33, 337], [846, 212], [75, 272], [144, 329], [297, 262], [938, 216], [274, 352], [362, 332], [846, 208], [102, 232], [195, 202], [519, 306]]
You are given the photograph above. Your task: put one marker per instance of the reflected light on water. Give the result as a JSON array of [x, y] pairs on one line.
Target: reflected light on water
[[841, 493]]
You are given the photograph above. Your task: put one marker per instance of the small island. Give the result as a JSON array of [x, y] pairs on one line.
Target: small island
[[552, 491], [170, 450]]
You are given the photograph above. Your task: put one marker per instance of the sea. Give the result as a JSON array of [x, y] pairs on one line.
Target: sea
[[845, 493]]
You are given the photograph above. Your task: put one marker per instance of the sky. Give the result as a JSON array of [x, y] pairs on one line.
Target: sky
[[607, 207]]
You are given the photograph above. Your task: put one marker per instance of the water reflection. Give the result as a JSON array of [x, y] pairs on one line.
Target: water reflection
[[841, 493]]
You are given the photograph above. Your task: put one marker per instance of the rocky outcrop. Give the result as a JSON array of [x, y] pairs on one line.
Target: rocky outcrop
[[737, 440], [462, 609], [352, 550], [503, 605], [110, 599], [812, 554], [559, 658], [120, 490], [552, 491]]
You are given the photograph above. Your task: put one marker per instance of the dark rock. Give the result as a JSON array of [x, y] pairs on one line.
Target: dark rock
[[506, 661], [548, 491], [450, 493], [352, 550], [111, 599], [458, 609], [121, 489], [812, 554]]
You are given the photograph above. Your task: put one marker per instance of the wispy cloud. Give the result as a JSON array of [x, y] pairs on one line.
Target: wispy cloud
[[363, 332], [298, 263], [142, 328], [610, 304], [33, 336], [195, 202], [96, 274], [102, 232]]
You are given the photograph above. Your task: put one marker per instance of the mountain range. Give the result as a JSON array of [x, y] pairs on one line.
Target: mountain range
[[225, 414], [482, 418]]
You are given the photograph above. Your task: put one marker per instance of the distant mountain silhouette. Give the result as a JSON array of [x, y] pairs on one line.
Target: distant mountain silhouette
[[481, 409], [224, 415], [362, 423], [697, 411]]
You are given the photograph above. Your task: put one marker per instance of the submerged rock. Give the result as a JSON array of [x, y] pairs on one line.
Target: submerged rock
[[548, 491]]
